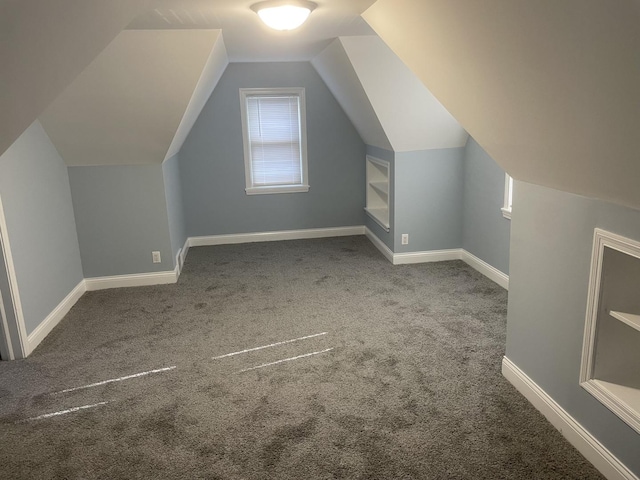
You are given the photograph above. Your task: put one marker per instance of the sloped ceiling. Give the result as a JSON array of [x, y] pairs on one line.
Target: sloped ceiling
[[410, 115], [45, 45], [247, 38], [335, 68], [390, 107], [127, 106], [213, 70], [551, 90]]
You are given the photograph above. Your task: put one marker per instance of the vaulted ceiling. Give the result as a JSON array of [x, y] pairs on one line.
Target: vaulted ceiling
[[44, 45], [247, 38], [137, 101], [550, 89], [336, 69], [389, 106]]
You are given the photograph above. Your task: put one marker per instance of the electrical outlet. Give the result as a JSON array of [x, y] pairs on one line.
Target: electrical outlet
[[405, 239], [156, 257]]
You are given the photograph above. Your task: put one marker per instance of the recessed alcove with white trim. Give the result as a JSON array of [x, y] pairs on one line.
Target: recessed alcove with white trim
[[378, 191], [611, 353]]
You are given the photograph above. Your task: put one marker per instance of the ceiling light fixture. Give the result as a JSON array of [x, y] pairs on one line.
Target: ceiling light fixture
[[284, 14]]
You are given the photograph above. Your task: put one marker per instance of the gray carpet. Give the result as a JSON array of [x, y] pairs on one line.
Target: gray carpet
[[410, 389]]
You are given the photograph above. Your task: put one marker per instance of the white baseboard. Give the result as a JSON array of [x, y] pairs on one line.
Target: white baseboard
[[426, 257], [576, 434], [90, 284], [481, 266], [412, 257], [484, 268], [161, 278], [180, 257], [135, 280], [58, 313], [183, 255], [275, 236], [178, 266], [379, 244]]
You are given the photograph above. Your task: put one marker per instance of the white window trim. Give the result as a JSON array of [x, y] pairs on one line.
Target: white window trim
[[508, 195], [277, 189], [270, 189]]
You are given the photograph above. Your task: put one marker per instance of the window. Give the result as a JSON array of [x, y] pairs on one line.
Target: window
[[275, 143], [508, 196]]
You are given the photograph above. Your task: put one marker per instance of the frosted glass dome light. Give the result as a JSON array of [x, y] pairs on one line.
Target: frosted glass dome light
[[287, 15]]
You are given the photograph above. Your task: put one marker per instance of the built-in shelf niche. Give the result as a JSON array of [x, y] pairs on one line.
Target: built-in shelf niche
[[611, 353], [378, 191]]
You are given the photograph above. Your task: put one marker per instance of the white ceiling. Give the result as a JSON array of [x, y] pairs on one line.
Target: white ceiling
[[44, 45], [338, 73], [389, 106], [127, 106], [551, 90], [211, 74], [247, 39], [412, 118]]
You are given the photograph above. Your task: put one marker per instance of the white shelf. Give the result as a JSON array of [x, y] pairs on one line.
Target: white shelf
[[378, 179], [622, 400], [628, 395], [629, 318], [382, 187], [380, 215], [610, 369]]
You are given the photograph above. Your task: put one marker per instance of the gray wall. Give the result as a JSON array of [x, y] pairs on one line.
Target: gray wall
[[212, 161], [121, 216], [551, 241], [370, 223], [34, 188], [428, 199], [485, 231], [175, 209]]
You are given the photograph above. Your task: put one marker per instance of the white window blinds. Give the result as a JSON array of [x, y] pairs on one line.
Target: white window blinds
[[273, 124]]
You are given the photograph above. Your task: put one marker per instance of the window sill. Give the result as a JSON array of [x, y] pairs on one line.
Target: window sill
[[278, 189], [506, 213]]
